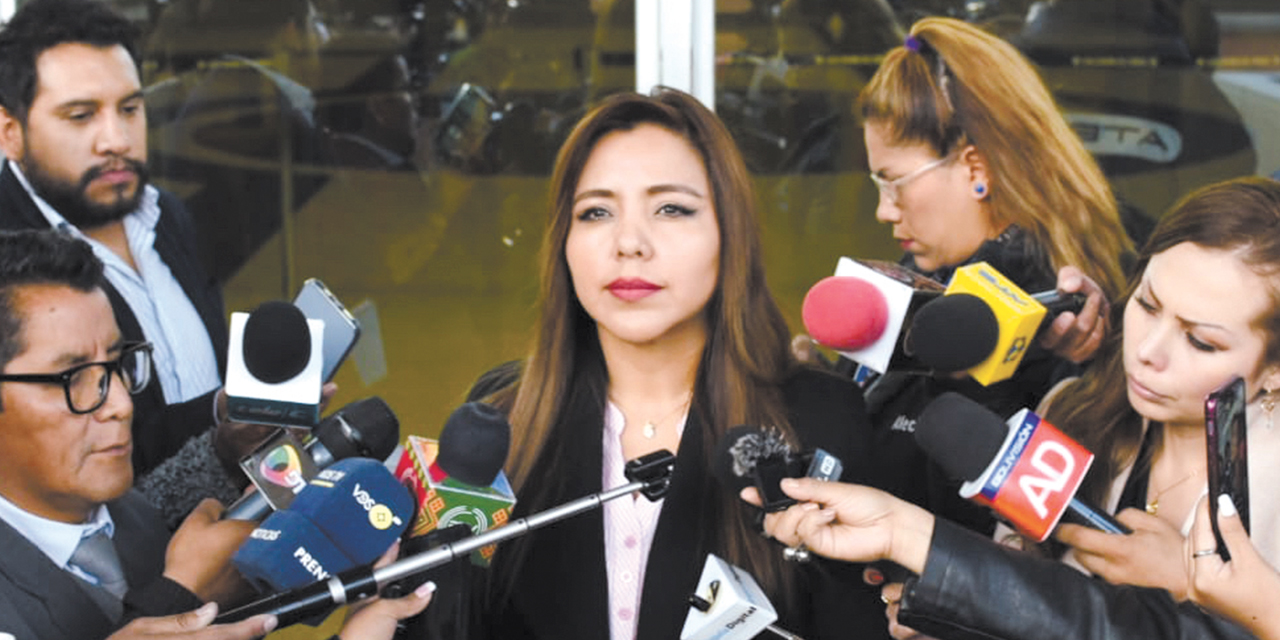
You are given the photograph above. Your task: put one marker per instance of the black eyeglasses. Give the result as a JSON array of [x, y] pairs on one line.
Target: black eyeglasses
[[87, 385]]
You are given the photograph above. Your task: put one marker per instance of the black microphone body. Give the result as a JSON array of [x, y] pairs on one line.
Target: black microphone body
[[650, 475]]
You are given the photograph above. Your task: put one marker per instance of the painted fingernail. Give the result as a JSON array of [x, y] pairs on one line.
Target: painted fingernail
[[425, 589]]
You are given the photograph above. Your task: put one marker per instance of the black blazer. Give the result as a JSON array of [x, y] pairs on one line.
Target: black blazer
[[159, 429], [561, 592], [40, 600]]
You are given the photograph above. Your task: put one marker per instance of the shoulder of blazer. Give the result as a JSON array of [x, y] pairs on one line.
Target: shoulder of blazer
[[17, 209], [54, 604]]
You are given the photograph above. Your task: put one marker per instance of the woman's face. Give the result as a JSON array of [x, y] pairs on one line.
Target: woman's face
[[938, 216], [644, 244], [1187, 331]]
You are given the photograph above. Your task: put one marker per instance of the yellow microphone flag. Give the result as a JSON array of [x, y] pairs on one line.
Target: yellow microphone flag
[[1017, 314]]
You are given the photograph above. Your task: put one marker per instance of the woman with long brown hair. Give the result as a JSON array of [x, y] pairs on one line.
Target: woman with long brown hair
[[657, 330], [1206, 309]]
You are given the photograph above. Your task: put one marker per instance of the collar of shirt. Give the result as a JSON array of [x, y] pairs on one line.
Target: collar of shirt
[[58, 540], [144, 218]]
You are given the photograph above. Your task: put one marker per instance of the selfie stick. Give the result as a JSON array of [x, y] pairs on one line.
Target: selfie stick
[[650, 475]]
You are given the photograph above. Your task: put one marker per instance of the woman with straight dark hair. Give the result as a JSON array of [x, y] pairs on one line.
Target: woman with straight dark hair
[[657, 330]]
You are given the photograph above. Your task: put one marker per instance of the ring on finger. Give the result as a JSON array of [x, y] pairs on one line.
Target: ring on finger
[[1203, 552], [798, 553]]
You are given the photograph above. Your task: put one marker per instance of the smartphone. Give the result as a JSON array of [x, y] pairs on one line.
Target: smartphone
[[341, 329], [1227, 444]]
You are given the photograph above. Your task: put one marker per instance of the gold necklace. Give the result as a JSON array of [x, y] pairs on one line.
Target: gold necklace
[[1153, 504], [650, 428]]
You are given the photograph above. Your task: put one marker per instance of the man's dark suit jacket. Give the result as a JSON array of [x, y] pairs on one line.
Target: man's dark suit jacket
[[159, 429], [561, 591], [40, 601]]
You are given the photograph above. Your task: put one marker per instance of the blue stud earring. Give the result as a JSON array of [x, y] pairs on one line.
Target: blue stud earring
[[980, 189]]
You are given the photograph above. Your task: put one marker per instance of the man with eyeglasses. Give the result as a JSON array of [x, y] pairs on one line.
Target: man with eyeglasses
[[73, 129], [82, 553]]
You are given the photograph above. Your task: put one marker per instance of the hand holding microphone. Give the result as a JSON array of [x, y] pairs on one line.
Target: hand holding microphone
[[199, 554], [849, 522], [1012, 317], [1146, 557], [1077, 334], [460, 491]]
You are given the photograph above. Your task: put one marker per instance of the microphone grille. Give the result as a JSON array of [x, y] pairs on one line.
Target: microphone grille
[[474, 443], [742, 448], [954, 332], [844, 313], [960, 435], [277, 342]]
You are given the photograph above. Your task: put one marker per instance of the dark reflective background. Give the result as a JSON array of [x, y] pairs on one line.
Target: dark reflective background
[[398, 149], [407, 143]]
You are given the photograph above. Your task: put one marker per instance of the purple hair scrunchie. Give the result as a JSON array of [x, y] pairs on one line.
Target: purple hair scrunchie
[[913, 44]]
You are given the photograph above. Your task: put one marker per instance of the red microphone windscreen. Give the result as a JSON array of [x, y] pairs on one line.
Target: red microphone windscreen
[[844, 313]]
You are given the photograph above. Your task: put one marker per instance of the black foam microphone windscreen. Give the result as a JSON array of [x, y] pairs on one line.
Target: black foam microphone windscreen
[[963, 453], [954, 332], [277, 342], [474, 443]]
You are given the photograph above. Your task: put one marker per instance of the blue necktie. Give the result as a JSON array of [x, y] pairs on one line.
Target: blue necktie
[[96, 556]]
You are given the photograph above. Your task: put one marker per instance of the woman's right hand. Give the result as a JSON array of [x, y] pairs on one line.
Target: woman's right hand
[[1077, 336], [376, 619], [850, 522], [1246, 589]]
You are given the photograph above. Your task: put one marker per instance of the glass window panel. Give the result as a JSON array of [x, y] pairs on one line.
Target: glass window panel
[[399, 150], [1169, 95]]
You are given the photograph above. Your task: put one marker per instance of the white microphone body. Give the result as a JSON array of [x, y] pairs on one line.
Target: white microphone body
[[736, 608], [291, 403], [904, 292]]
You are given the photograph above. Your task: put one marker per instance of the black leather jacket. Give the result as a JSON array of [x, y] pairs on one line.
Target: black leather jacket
[[973, 588]]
